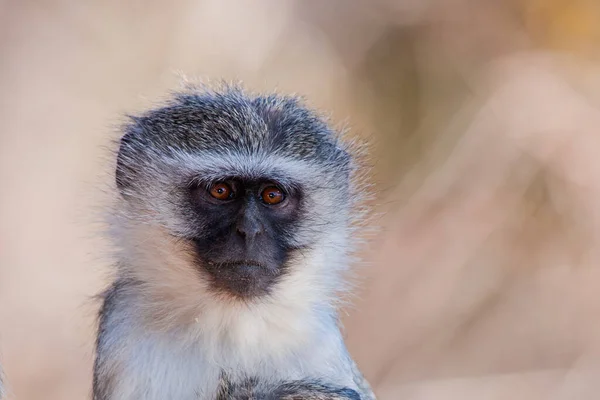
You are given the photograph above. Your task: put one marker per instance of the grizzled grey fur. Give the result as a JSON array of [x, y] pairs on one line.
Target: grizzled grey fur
[[254, 389], [235, 299]]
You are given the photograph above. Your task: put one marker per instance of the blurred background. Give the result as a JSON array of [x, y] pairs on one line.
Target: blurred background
[[483, 281]]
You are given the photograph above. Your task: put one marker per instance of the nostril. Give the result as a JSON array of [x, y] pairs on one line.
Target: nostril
[[249, 228]]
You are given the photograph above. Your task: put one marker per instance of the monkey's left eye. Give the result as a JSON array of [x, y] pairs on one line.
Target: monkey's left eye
[[221, 191], [272, 195]]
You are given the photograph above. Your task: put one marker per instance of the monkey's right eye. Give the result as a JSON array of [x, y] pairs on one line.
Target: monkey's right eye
[[221, 191]]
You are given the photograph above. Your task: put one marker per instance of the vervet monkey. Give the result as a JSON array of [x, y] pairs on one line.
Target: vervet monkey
[[234, 227]]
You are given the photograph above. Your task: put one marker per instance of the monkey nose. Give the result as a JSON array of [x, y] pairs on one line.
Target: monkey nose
[[249, 228]]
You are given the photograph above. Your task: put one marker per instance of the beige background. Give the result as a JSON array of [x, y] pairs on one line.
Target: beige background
[[483, 281]]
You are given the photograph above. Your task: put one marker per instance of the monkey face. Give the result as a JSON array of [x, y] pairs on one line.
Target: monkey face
[[259, 188], [243, 240]]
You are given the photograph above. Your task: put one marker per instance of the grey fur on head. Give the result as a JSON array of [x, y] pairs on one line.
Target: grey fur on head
[[196, 299], [208, 132]]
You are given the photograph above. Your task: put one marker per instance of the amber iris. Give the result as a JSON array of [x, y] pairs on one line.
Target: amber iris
[[221, 191], [272, 195]]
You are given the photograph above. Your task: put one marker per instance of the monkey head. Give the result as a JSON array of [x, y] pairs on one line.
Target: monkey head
[[255, 190]]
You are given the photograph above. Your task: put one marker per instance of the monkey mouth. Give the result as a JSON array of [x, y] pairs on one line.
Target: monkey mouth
[[235, 264], [243, 279]]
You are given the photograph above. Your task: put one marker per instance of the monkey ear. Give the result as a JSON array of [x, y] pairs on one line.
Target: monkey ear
[[123, 171], [130, 146]]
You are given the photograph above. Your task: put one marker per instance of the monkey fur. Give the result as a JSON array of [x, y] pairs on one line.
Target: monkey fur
[[233, 228], [1, 383], [305, 390]]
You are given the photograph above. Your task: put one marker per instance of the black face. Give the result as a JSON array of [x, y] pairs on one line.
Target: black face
[[246, 236]]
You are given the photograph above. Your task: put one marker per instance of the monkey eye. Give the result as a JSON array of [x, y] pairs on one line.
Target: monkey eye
[[221, 191], [272, 195]]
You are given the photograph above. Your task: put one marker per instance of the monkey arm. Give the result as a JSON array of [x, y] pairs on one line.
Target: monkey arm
[[294, 390]]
